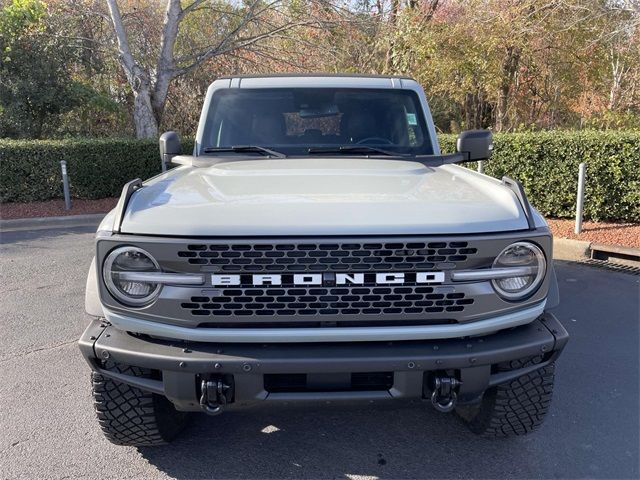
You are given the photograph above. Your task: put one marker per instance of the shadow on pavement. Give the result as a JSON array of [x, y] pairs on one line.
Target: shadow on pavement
[[337, 441], [9, 237]]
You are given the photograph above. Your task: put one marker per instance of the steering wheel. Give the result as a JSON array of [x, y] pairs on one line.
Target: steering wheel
[[384, 141]]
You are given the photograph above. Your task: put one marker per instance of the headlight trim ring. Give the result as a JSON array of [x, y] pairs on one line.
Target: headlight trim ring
[[116, 292]]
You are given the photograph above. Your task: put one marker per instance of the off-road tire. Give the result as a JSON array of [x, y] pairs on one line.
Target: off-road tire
[[514, 408], [130, 416]]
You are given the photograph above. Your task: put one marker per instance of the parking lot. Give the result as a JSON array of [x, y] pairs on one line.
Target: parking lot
[[48, 428]]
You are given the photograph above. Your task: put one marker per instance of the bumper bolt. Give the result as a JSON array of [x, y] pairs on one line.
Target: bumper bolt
[[411, 365], [473, 360], [217, 365], [182, 364], [544, 348], [105, 354], [246, 367], [92, 337]]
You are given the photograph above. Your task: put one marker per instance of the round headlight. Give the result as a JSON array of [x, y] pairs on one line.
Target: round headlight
[[117, 272], [520, 254]]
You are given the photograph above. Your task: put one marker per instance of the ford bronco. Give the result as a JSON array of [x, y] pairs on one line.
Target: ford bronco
[[317, 246]]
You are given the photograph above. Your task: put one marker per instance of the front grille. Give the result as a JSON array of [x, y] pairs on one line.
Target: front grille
[[361, 299], [306, 301], [318, 257]]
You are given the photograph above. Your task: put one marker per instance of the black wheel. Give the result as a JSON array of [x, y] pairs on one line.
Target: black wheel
[[514, 408], [130, 416]]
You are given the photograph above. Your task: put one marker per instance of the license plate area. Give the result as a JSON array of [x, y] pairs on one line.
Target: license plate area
[[328, 382]]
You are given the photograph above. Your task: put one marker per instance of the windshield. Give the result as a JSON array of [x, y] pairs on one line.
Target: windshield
[[294, 120]]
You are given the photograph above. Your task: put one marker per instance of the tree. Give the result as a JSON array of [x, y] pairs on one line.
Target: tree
[[239, 28], [35, 88]]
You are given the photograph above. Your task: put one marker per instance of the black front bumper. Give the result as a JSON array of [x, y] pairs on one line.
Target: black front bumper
[[478, 362]]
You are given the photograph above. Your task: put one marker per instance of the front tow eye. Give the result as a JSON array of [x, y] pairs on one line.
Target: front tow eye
[[214, 396], [444, 396]]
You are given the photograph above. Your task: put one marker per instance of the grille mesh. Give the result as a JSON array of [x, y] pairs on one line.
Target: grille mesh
[[292, 301], [305, 257]]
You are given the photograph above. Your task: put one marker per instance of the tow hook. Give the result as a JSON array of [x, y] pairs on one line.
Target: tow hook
[[444, 396], [214, 396]]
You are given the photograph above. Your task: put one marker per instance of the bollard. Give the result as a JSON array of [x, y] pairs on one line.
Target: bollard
[[580, 199], [65, 185], [480, 166]]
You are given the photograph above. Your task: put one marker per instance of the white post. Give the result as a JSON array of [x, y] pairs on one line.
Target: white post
[[481, 166], [65, 185], [580, 200]]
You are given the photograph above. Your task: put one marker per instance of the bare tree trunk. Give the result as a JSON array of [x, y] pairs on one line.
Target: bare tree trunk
[[166, 69], [474, 105], [479, 109], [617, 74], [509, 68], [144, 117], [501, 115], [431, 10], [395, 7], [468, 111]]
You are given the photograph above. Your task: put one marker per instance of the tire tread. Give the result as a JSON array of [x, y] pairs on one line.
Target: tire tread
[[517, 407], [130, 416]]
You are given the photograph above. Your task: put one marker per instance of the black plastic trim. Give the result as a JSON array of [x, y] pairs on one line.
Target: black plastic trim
[[518, 189], [121, 207], [310, 75], [473, 357]]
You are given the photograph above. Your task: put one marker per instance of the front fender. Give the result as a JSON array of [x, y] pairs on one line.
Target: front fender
[[92, 304], [553, 297]]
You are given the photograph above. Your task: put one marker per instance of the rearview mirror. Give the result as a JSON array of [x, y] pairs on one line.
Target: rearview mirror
[[169, 147], [475, 144]]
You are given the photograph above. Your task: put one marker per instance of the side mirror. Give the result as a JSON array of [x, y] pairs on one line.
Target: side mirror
[[475, 144], [169, 147]]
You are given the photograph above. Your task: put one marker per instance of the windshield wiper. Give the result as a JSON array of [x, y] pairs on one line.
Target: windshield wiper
[[346, 149], [245, 148]]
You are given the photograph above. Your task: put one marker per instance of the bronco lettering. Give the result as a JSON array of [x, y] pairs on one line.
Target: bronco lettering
[[396, 278]]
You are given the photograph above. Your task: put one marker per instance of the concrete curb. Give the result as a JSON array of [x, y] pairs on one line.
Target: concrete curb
[[40, 223], [571, 250]]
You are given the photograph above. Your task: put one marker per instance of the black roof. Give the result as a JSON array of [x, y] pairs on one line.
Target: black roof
[[316, 74]]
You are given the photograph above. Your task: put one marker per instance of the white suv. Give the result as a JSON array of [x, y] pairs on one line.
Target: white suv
[[318, 246]]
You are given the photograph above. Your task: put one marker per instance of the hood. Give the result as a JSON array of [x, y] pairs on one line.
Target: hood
[[322, 196]]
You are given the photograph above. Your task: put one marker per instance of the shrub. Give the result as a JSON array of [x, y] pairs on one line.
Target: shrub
[[30, 169], [545, 162], [547, 165]]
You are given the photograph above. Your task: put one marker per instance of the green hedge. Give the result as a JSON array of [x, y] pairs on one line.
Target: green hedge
[[547, 165], [30, 169], [545, 162]]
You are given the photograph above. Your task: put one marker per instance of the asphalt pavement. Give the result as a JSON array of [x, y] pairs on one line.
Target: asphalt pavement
[[48, 428]]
